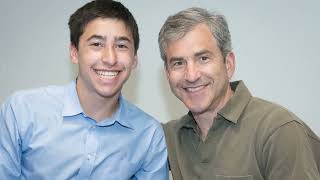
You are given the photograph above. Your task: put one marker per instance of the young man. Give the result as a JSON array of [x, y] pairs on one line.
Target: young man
[[227, 134], [85, 130]]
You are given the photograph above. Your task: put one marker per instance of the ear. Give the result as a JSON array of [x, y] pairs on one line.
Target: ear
[[73, 51], [230, 64], [165, 66], [135, 62]]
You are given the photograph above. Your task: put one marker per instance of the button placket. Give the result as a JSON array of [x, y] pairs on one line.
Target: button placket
[[91, 147]]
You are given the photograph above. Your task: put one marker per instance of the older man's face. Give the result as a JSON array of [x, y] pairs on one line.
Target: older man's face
[[196, 70]]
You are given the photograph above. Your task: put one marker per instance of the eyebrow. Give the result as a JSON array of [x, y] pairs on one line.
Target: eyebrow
[[197, 54], [175, 59], [122, 38], [104, 38], [99, 37]]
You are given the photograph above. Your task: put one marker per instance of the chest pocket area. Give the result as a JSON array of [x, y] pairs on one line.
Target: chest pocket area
[[220, 177]]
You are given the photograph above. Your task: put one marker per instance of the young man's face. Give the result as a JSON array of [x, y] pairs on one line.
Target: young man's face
[[105, 57], [196, 70]]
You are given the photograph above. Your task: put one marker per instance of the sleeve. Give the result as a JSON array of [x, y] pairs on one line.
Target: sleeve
[[156, 164], [287, 154], [10, 151]]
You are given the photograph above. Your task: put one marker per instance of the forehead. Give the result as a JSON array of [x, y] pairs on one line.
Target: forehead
[[108, 27], [197, 39]]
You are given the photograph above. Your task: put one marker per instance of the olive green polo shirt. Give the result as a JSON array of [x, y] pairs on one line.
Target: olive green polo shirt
[[251, 139]]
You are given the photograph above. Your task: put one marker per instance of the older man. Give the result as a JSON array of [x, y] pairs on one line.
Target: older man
[[228, 133]]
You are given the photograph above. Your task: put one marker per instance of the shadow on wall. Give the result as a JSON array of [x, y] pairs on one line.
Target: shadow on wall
[[130, 88], [174, 107], [73, 70]]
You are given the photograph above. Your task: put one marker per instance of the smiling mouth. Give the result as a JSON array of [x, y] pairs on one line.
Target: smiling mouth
[[194, 89], [107, 74]]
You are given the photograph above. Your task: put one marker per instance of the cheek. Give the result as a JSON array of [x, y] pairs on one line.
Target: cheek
[[132, 63], [216, 72], [86, 57], [175, 82], [172, 77], [126, 59]]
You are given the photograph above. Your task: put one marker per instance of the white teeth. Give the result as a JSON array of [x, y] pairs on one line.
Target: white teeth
[[107, 73], [194, 89]]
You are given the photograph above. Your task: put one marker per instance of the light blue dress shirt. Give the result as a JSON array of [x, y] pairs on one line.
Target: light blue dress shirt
[[44, 134]]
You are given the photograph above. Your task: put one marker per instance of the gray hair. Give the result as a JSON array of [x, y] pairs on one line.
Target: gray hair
[[177, 25]]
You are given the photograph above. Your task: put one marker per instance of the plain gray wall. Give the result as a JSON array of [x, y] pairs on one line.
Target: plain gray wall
[[276, 43]]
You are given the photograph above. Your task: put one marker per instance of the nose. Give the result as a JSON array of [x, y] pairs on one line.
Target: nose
[[109, 56], [192, 72]]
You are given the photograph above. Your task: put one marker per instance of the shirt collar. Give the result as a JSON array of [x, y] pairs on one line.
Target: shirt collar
[[187, 121], [72, 107], [231, 111], [120, 116], [71, 103], [238, 102]]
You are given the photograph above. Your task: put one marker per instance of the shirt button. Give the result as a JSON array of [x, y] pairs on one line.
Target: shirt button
[[89, 157], [205, 160]]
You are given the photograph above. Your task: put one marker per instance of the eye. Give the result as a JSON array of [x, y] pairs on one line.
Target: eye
[[177, 64], [204, 58], [96, 44], [122, 46]]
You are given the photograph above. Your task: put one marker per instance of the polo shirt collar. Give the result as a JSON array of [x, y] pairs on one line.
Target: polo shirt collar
[[238, 102], [188, 121]]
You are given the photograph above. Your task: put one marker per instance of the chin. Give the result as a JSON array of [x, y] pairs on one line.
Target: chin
[[109, 93], [196, 109]]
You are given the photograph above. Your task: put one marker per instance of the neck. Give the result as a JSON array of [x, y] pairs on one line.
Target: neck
[[96, 106], [206, 119]]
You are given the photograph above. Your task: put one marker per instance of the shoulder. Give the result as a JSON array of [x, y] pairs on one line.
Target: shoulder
[[172, 124], [25, 107], [25, 103], [269, 114], [172, 127], [278, 118], [269, 119], [139, 118], [36, 95]]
